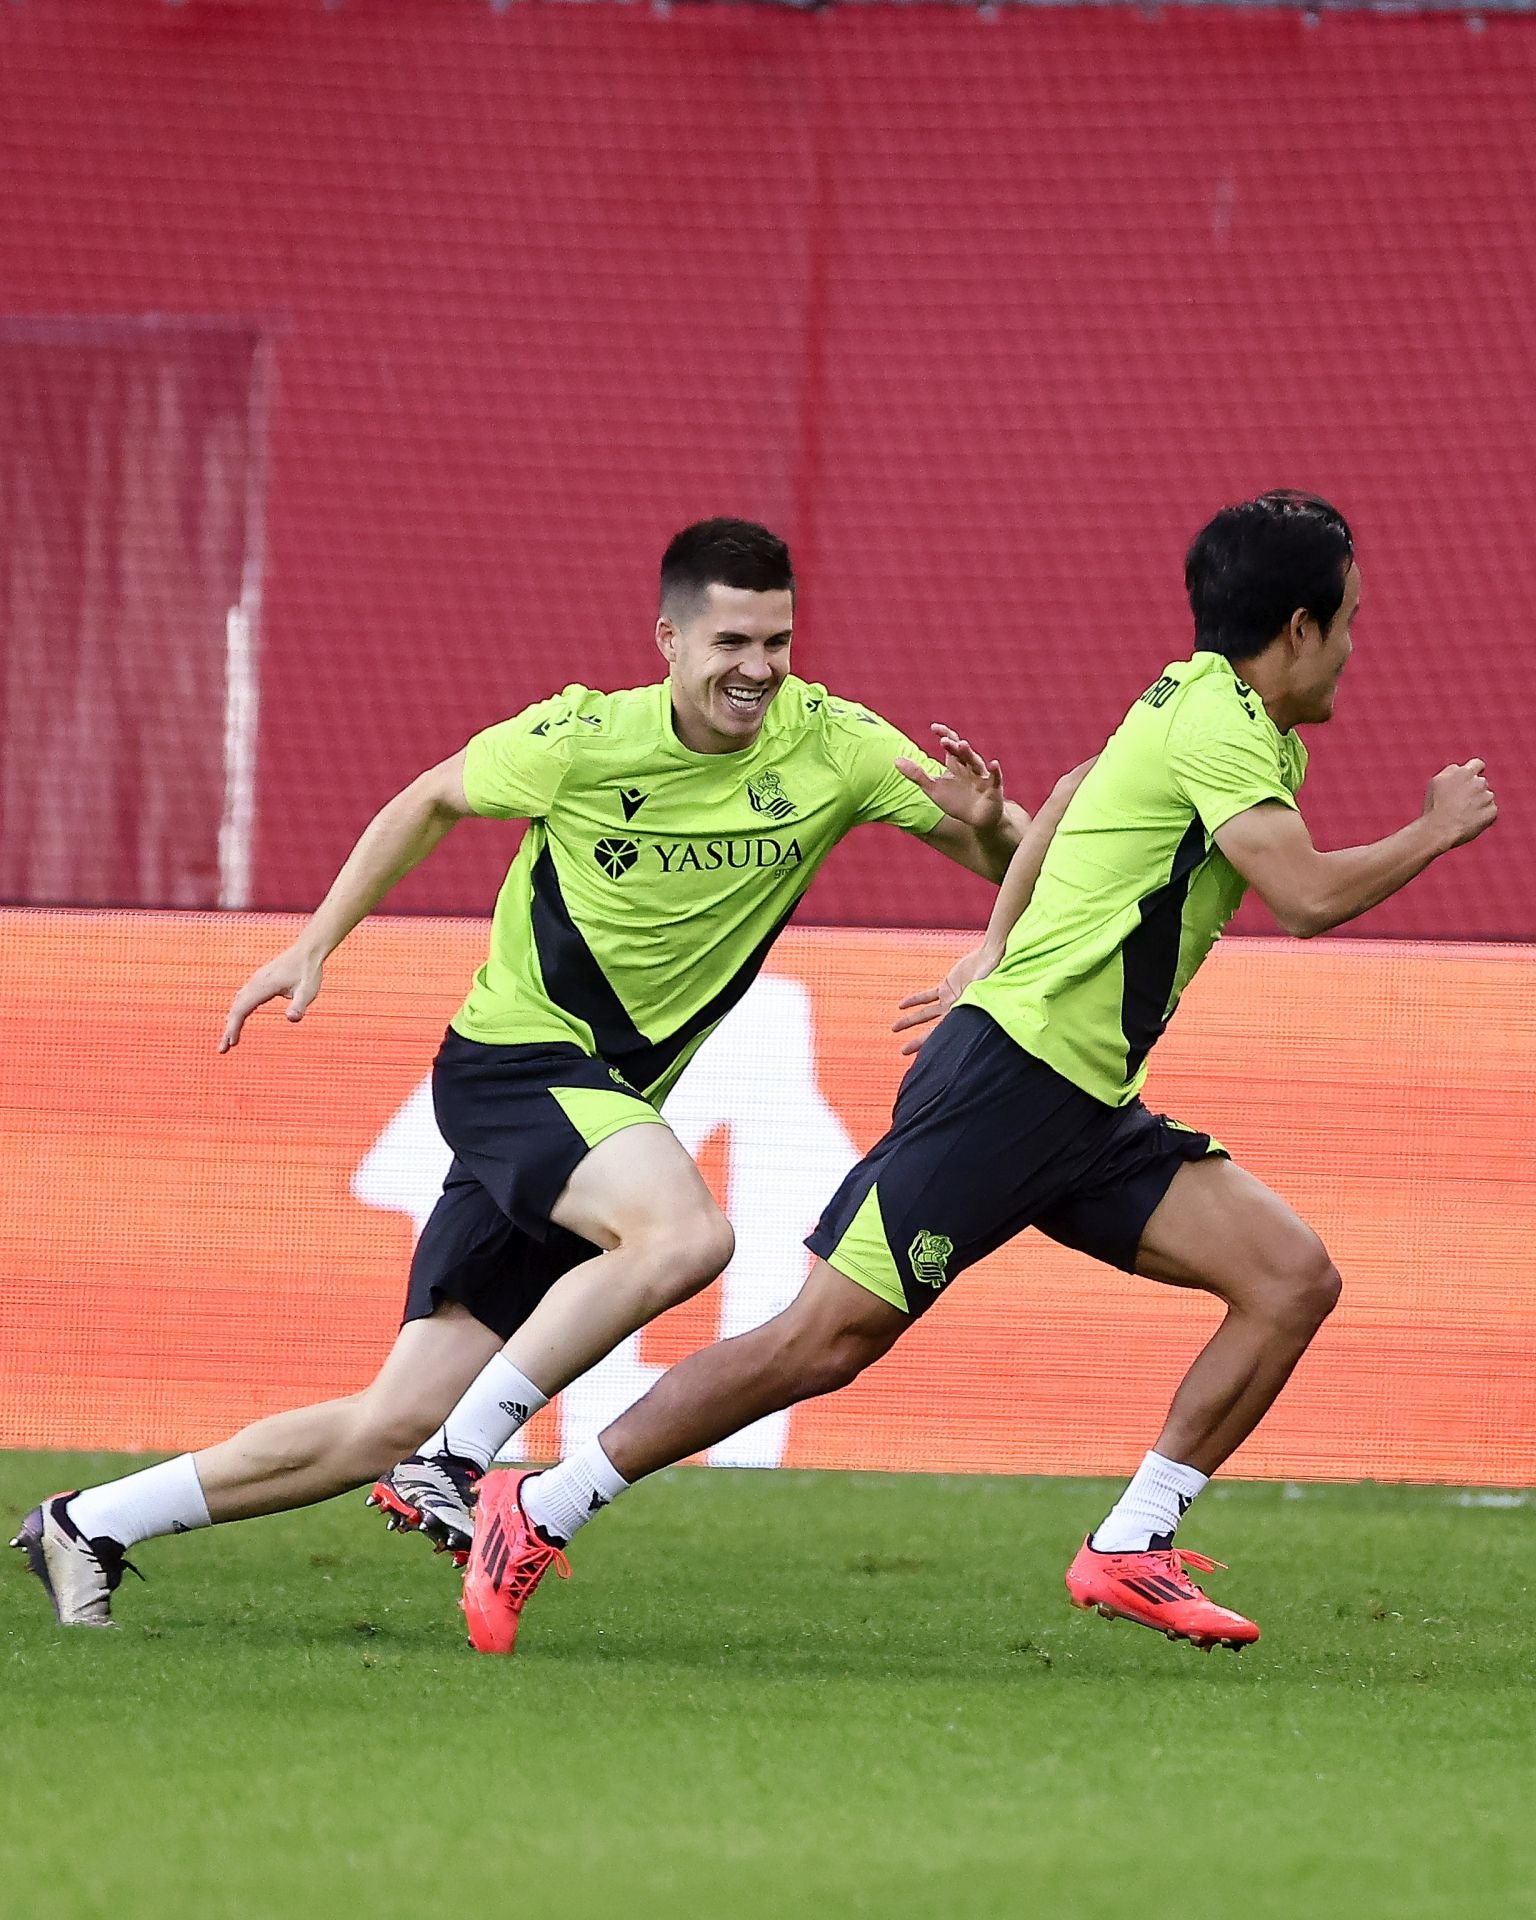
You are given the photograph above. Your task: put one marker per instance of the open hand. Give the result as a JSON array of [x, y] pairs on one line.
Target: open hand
[[969, 789], [294, 976], [922, 1009]]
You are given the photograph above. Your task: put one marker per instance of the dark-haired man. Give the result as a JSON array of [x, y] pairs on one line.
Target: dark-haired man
[[1022, 1107], [674, 828]]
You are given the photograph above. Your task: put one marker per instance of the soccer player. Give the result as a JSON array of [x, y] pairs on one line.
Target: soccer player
[[1022, 1107], [674, 829]]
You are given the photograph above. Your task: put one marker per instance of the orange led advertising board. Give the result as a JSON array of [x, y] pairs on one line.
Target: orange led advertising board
[[190, 1241]]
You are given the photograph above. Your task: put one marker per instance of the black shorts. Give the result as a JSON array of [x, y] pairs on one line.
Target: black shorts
[[519, 1121], [986, 1140]]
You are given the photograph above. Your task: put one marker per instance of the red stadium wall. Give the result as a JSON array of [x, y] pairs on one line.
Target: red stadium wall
[[986, 313]]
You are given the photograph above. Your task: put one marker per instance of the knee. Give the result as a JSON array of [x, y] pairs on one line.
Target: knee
[[708, 1247], [683, 1256], [1323, 1290], [817, 1363], [1305, 1287]]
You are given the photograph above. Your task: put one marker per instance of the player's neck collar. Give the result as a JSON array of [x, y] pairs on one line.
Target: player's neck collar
[[738, 756]]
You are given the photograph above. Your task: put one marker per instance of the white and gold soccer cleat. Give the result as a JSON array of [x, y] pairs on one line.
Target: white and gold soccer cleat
[[79, 1576], [432, 1494]]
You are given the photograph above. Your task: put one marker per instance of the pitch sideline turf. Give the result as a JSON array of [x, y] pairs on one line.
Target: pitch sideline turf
[[784, 1694]]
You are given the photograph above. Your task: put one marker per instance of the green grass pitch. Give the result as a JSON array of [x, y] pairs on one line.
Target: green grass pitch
[[785, 1694]]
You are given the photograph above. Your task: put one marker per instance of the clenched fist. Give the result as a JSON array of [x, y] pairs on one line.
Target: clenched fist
[[1460, 803]]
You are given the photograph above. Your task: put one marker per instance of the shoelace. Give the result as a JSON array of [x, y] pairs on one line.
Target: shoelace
[[529, 1571], [532, 1571], [1181, 1559], [113, 1563], [463, 1473]]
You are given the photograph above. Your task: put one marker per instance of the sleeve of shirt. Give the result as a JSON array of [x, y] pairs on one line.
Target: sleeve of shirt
[[513, 771], [881, 793], [1223, 762]]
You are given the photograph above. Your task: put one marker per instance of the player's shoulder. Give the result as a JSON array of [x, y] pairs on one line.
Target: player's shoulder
[[580, 713], [1205, 695], [624, 712], [808, 707], [1217, 716], [599, 710]]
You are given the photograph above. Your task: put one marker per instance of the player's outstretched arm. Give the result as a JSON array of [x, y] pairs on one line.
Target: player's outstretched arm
[[981, 827], [398, 838], [1310, 892], [1013, 896]]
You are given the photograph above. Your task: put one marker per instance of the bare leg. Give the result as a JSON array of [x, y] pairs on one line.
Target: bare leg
[[1220, 1229], [639, 1195], [826, 1337], [1217, 1228], [294, 1459]]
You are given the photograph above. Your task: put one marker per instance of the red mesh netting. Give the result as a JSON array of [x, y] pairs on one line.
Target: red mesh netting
[[986, 313]]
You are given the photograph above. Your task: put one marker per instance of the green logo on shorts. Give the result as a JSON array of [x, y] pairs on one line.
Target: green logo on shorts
[[618, 1079], [929, 1254]]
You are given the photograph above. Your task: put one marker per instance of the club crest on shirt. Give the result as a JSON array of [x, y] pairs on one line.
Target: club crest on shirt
[[767, 795]]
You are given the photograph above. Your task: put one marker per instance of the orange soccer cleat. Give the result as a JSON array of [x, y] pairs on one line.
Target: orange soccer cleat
[[1154, 1590], [507, 1561]]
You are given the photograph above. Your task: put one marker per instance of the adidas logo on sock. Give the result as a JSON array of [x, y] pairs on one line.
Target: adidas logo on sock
[[514, 1410]]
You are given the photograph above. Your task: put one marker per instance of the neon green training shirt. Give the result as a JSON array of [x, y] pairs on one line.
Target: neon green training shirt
[[1134, 892], [652, 880]]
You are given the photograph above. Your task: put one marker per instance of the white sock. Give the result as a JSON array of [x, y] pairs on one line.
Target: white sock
[[1160, 1494], [163, 1499], [564, 1499], [496, 1403]]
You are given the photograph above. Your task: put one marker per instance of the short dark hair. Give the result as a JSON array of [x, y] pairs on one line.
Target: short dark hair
[[725, 553], [1256, 564]]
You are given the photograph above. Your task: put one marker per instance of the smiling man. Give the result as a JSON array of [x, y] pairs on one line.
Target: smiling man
[[673, 829]]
